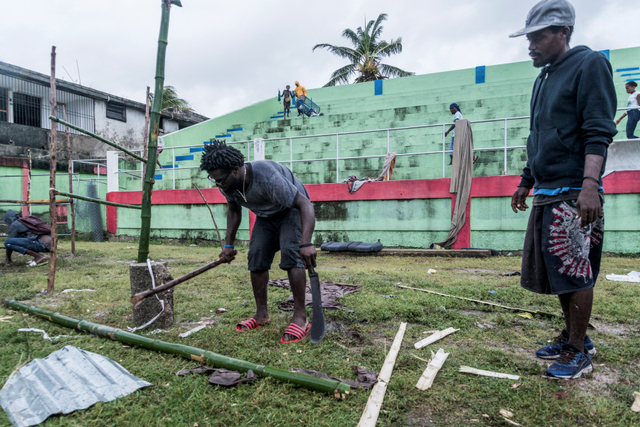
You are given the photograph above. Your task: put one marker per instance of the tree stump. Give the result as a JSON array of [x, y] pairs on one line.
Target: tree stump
[[151, 306]]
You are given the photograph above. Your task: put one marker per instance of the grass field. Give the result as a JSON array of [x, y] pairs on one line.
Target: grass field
[[361, 338]]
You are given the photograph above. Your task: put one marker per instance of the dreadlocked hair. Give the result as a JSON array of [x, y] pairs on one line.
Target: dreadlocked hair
[[218, 155]]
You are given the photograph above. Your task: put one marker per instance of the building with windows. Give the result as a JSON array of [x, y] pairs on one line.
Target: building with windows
[[25, 108]]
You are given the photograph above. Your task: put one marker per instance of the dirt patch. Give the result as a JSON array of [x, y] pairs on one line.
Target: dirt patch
[[611, 328], [473, 313], [597, 383], [419, 417]]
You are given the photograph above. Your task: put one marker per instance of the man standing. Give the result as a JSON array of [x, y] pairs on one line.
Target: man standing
[[285, 222], [301, 94], [572, 110]]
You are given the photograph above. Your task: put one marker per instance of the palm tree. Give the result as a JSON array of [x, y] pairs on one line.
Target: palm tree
[[170, 99], [366, 54]]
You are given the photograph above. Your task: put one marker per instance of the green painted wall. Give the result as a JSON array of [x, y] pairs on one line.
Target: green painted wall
[[411, 101], [11, 189]]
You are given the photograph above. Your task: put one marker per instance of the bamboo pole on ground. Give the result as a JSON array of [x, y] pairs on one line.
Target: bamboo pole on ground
[[71, 205], [53, 215], [152, 147], [192, 353], [211, 212], [146, 132], [372, 410], [29, 182]]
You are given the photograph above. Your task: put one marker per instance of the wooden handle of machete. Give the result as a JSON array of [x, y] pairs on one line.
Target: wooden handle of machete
[[137, 298]]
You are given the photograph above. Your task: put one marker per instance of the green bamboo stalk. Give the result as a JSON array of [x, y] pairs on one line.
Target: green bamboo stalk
[[152, 146], [192, 353], [101, 202], [98, 137]]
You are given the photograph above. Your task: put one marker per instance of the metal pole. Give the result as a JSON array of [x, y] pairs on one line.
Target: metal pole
[[387, 140], [505, 146], [173, 166], [53, 217], [337, 158], [444, 154], [291, 154]]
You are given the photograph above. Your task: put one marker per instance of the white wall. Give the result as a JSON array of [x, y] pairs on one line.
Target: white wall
[[129, 134]]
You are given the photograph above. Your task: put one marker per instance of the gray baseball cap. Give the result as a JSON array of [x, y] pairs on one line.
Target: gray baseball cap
[[548, 13]]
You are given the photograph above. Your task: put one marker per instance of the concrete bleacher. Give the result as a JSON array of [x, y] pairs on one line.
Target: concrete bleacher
[[405, 102]]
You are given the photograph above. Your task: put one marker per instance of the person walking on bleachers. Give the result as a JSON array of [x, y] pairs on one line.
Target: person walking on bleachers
[[634, 113], [301, 93], [457, 115], [286, 96]]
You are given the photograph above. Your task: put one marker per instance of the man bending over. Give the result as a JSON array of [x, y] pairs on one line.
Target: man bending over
[[285, 223]]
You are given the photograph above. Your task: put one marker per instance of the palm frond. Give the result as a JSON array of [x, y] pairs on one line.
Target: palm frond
[[350, 35], [341, 75], [377, 28], [341, 51], [391, 71], [387, 49]]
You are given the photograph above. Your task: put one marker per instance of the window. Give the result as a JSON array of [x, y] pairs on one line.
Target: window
[[4, 111], [26, 110], [116, 111]]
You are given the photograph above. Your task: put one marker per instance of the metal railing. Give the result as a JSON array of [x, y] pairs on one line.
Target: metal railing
[[505, 147]]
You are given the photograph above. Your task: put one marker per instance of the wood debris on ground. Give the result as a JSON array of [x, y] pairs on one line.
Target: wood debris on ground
[[470, 370], [434, 337], [426, 380]]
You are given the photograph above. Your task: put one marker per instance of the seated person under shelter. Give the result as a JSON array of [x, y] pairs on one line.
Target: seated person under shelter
[[285, 222], [26, 239]]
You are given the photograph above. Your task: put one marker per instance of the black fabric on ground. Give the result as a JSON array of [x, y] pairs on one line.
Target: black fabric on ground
[[331, 293]]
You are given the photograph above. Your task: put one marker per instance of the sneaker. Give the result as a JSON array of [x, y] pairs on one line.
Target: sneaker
[[552, 351], [570, 365]]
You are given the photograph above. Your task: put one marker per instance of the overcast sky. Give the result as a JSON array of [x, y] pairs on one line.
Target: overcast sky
[[224, 55]]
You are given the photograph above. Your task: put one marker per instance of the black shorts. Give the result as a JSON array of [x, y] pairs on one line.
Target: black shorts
[[287, 105], [281, 232], [559, 256]]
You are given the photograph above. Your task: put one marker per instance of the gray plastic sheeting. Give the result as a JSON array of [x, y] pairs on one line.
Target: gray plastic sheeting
[[65, 381]]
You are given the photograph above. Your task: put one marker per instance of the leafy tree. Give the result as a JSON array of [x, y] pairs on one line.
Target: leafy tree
[[366, 54], [170, 99]]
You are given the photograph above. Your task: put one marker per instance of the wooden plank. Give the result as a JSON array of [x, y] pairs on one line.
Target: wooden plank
[[434, 337], [372, 410], [446, 253], [426, 380], [470, 370]]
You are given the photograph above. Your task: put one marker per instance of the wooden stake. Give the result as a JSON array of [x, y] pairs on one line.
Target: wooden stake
[[434, 337], [426, 380], [146, 132], [71, 205], [29, 182], [211, 212], [470, 370], [53, 215], [372, 410]]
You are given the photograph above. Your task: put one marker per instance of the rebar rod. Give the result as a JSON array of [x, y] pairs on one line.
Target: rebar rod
[[192, 353]]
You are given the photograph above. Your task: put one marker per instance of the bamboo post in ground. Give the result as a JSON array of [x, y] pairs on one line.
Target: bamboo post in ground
[[192, 353], [146, 132], [69, 169], [152, 148], [211, 212], [29, 182], [52, 179]]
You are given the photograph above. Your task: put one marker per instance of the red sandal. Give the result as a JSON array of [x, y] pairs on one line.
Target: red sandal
[[297, 332], [249, 324]]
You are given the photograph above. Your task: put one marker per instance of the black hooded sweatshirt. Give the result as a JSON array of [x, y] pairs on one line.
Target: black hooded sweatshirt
[[572, 111]]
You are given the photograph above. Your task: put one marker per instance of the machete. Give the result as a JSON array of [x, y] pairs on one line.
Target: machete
[[317, 323]]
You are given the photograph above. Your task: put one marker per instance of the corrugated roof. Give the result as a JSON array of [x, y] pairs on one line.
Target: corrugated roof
[[65, 381]]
